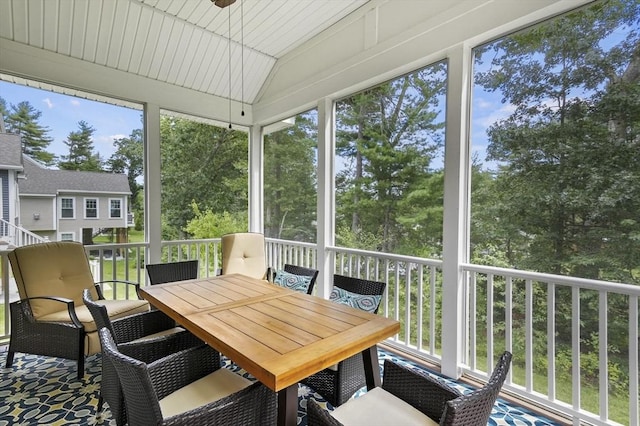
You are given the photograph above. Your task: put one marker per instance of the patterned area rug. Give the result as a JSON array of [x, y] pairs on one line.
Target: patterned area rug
[[39, 390]]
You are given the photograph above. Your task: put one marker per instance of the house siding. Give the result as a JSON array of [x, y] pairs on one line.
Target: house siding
[[42, 206]]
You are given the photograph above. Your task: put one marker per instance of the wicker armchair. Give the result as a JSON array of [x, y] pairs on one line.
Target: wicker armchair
[[338, 383], [146, 336], [188, 388], [409, 397], [299, 270], [160, 273], [50, 318]]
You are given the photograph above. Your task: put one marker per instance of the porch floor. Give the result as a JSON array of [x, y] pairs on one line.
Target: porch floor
[[45, 390]]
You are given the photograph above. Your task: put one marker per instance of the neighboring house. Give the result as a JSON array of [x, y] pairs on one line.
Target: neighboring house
[[72, 205], [58, 204], [11, 170]]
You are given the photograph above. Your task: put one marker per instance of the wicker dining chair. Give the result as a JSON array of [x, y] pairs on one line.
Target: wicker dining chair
[[188, 388], [409, 397], [339, 382], [146, 336], [50, 318], [301, 271], [160, 273]]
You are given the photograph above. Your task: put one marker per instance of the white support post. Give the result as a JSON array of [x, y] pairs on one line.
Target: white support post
[[152, 184], [456, 203], [256, 179], [326, 199]]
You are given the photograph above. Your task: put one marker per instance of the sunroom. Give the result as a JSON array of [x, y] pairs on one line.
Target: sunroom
[[479, 156]]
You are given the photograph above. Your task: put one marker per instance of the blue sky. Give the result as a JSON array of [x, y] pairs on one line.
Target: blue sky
[[61, 114]]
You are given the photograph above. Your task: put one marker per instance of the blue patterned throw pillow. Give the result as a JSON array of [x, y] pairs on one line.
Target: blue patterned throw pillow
[[292, 281], [364, 302]]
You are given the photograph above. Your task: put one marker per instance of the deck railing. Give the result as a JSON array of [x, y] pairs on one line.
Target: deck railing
[[540, 318], [18, 236]]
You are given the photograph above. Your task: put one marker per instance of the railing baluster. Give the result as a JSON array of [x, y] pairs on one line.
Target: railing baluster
[[489, 322], [634, 368], [551, 340], [575, 347], [528, 332], [603, 342]]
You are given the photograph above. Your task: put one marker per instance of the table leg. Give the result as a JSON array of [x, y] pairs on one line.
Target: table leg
[[371, 367], [288, 406]]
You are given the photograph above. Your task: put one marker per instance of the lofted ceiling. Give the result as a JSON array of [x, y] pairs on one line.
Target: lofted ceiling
[[180, 42], [283, 55]]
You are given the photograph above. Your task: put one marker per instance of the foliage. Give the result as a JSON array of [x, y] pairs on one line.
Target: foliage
[[128, 159], [23, 119], [570, 151], [290, 180], [201, 163], [81, 152], [387, 138], [207, 224]]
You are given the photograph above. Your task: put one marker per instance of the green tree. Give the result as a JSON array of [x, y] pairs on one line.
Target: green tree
[[81, 154], [128, 159], [23, 119], [290, 181], [201, 163], [570, 150], [207, 224], [387, 138]]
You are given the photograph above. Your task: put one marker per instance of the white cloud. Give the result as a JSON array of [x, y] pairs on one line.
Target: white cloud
[[48, 102], [74, 102]]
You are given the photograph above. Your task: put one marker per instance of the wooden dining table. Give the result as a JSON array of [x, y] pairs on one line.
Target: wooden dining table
[[277, 335]]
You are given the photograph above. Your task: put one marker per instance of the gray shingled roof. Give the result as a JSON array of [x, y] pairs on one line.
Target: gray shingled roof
[[10, 151], [42, 181]]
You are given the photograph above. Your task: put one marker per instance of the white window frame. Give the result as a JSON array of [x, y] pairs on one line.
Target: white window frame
[[111, 208], [97, 216], [73, 208], [62, 234]]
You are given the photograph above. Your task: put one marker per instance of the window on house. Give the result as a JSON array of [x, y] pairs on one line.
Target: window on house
[[67, 210], [90, 208], [67, 236], [115, 209]]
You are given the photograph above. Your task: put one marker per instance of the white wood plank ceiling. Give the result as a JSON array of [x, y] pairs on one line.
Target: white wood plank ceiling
[[180, 42]]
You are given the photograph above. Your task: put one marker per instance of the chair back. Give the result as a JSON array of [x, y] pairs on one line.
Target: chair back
[[98, 311], [301, 270], [474, 409], [139, 395], [360, 286], [52, 269], [174, 271], [244, 253]]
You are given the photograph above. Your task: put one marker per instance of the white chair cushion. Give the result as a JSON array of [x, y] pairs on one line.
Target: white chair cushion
[[378, 407], [217, 385]]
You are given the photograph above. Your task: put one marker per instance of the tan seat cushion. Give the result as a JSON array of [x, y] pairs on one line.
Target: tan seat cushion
[[380, 408], [115, 308], [244, 253], [217, 385]]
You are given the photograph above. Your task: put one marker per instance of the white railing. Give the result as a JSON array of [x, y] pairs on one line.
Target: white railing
[[18, 236], [543, 317], [528, 314]]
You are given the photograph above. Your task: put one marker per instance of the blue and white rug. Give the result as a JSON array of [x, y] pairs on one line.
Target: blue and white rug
[[40, 390]]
